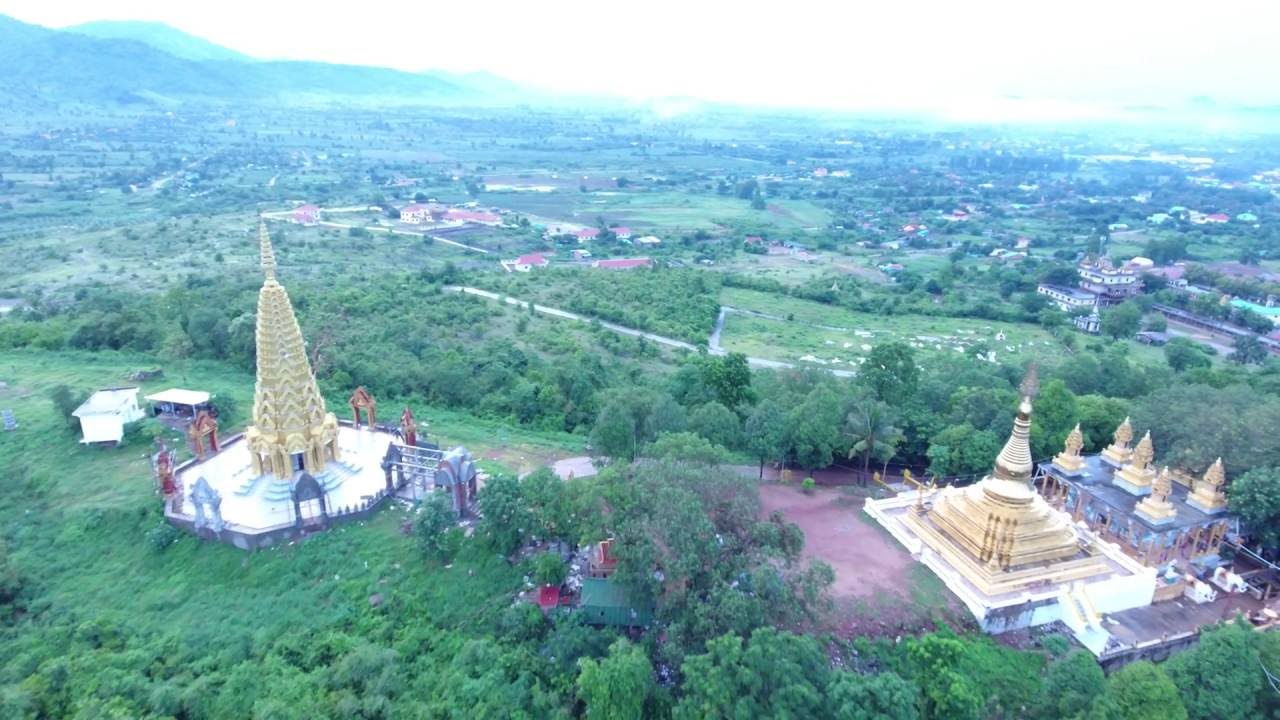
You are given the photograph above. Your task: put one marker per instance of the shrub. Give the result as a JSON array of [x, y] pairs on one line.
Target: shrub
[[548, 569], [163, 535]]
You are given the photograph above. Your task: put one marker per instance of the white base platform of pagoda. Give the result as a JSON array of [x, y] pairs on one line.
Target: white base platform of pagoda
[[262, 503], [1079, 603]]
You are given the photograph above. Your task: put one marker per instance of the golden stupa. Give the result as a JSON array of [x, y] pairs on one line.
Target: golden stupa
[[1208, 495], [1070, 460], [1119, 452], [1137, 475], [291, 429], [1000, 533], [1156, 508]]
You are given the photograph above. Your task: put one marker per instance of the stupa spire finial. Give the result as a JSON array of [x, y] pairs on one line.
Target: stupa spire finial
[[268, 258], [1014, 461]]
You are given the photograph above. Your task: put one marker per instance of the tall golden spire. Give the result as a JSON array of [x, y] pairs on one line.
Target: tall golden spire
[[1014, 461], [1001, 521], [267, 254], [291, 429]]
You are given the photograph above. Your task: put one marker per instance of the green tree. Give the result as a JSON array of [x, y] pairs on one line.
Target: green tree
[[614, 434], [1139, 691], [1156, 322], [962, 450], [1121, 321], [617, 686], [548, 569], [1056, 414], [1219, 678], [65, 402], [813, 428], [717, 423], [1184, 354], [1071, 685], [504, 519], [435, 519], [775, 674], [686, 447], [10, 582], [945, 693], [890, 371], [729, 377], [766, 432], [884, 696], [1248, 351], [1255, 497], [871, 425], [545, 497]]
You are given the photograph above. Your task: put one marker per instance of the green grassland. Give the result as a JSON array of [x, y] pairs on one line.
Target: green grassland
[[108, 601], [801, 328], [658, 211]]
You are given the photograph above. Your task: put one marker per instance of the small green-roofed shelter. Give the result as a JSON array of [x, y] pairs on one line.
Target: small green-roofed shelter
[[604, 602]]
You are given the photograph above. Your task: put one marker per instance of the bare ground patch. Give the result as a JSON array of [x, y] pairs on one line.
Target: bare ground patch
[[879, 589]]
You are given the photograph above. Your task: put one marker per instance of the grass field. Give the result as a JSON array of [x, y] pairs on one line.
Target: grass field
[[46, 453], [660, 212], [839, 336], [76, 522]]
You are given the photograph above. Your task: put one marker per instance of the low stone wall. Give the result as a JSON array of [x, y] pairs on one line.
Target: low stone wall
[[258, 539]]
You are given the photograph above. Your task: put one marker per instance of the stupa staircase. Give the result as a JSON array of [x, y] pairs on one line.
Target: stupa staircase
[[1079, 614]]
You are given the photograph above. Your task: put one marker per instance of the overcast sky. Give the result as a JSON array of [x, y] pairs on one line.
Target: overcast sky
[[845, 54]]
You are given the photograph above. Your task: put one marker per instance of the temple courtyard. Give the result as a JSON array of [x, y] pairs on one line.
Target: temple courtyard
[[253, 504]]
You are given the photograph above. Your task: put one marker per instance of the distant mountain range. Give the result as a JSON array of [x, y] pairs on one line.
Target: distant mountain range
[[159, 36], [152, 63]]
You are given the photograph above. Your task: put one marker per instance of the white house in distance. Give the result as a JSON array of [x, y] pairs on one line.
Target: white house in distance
[[416, 213], [106, 412], [525, 263]]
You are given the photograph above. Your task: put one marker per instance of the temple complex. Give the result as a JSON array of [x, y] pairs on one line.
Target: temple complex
[[1157, 517], [1011, 557], [297, 468]]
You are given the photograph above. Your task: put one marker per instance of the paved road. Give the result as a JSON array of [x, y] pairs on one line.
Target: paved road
[[713, 345]]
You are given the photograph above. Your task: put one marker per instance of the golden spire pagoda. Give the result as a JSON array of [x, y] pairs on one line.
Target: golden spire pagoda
[[1118, 452], [1069, 460], [1138, 474], [1208, 495], [1001, 524], [291, 429], [1156, 508]]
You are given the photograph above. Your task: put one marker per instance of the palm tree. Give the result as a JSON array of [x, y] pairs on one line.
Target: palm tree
[[870, 424]]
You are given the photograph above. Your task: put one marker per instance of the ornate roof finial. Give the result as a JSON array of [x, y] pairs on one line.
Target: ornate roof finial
[[1144, 453], [1075, 440], [1215, 476], [1124, 434], [1162, 486], [1014, 460], [268, 255]]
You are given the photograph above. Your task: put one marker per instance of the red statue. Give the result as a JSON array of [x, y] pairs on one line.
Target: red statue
[[163, 463], [362, 400], [408, 428], [203, 426]]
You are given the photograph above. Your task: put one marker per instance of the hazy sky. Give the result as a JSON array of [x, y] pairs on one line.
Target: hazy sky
[[903, 54]]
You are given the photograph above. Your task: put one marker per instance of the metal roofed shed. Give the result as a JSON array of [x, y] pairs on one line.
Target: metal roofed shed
[[178, 396], [604, 602], [177, 407], [106, 412]]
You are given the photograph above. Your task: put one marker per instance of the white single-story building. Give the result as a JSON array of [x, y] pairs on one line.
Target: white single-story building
[[106, 412]]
